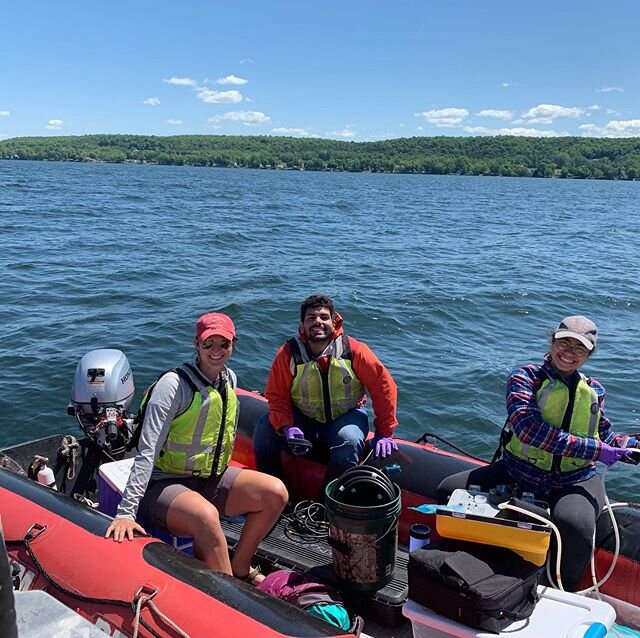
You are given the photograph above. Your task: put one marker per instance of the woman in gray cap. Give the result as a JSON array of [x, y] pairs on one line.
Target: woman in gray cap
[[556, 430]]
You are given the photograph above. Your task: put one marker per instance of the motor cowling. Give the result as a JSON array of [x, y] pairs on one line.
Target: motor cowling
[[101, 395]]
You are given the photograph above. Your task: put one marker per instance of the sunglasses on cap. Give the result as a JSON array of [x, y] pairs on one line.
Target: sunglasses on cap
[[221, 342]]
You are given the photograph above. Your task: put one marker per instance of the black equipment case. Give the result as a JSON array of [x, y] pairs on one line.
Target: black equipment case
[[477, 585]]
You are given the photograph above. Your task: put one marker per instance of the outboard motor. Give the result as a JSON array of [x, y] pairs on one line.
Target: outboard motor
[[101, 395]]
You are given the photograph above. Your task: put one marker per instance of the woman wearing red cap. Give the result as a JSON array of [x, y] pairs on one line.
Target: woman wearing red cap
[[181, 481], [555, 432]]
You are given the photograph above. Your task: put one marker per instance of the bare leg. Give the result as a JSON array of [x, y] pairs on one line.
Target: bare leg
[[262, 498], [190, 514]]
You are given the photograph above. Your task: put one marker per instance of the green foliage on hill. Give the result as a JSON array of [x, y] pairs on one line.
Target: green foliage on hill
[[579, 157]]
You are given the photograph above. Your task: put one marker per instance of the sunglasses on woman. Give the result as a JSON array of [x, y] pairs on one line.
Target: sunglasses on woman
[[221, 342]]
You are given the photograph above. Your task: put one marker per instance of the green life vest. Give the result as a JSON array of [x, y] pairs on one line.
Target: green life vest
[[343, 389], [200, 440], [553, 399]]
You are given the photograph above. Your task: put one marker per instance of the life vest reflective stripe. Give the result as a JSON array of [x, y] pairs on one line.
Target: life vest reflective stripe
[[308, 389], [553, 400], [200, 440]]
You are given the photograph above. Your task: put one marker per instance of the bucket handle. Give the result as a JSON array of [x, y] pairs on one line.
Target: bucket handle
[[343, 548], [388, 530]]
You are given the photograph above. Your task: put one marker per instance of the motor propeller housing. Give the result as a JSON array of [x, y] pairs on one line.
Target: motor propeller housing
[[101, 395]]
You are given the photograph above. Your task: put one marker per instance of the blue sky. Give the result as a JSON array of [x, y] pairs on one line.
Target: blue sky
[[352, 70]]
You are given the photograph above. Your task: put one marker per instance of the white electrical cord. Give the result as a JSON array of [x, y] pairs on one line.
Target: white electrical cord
[[616, 532], [609, 507], [544, 521]]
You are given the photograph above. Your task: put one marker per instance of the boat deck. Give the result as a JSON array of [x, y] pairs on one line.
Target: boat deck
[[381, 610]]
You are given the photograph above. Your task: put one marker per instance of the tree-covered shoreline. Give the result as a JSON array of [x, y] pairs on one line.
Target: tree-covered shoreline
[[564, 157]]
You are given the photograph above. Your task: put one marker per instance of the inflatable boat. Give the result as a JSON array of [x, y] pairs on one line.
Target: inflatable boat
[[54, 537]]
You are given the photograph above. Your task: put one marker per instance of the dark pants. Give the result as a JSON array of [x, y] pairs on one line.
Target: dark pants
[[343, 439], [574, 510]]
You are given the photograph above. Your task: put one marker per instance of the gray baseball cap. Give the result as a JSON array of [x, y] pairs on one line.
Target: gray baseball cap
[[580, 328]]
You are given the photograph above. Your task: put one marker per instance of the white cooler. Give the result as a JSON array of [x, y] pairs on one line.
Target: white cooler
[[112, 479], [558, 614]]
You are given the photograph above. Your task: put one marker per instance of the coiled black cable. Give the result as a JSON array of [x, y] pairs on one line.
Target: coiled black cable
[[307, 522]]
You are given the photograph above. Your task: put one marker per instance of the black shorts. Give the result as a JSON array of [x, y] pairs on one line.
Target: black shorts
[[160, 494]]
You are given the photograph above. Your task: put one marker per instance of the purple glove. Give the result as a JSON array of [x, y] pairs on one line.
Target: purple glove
[[634, 457], [292, 434], [610, 455], [383, 445]]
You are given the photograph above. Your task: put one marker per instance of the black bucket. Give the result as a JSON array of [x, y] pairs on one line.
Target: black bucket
[[363, 507]]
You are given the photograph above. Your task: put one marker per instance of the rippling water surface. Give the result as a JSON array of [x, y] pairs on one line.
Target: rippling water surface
[[451, 280]]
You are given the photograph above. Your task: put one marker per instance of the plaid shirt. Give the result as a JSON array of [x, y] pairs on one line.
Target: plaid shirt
[[525, 420]]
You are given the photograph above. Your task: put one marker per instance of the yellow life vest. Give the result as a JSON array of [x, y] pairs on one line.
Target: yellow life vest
[[311, 389], [553, 400], [200, 440]]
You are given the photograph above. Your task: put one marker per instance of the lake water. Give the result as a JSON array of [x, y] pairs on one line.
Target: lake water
[[451, 280]]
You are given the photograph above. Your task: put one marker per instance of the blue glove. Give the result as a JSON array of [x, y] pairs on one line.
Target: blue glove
[[383, 445], [610, 455], [294, 436]]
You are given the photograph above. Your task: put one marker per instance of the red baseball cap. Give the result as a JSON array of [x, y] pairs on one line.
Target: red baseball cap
[[215, 323]]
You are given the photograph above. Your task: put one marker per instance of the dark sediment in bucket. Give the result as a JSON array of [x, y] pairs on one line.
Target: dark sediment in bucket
[[363, 507]]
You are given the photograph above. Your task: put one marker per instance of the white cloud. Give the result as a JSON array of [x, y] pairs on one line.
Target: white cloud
[[290, 131], [506, 85], [608, 89], [614, 128], [152, 101], [594, 107], [517, 131], [546, 113], [170, 121], [208, 95], [249, 118], [444, 118], [612, 112], [5, 113], [181, 81], [55, 124], [246, 61], [420, 128], [499, 115], [347, 132], [231, 79], [219, 97]]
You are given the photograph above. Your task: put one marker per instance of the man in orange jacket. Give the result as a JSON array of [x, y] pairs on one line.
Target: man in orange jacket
[[316, 391]]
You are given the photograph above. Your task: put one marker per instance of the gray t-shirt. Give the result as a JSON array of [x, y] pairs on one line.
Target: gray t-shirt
[[171, 396]]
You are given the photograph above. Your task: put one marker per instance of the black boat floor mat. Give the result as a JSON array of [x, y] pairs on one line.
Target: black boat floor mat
[[279, 551]]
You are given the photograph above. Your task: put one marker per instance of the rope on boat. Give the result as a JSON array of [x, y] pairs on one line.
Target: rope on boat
[[34, 531], [69, 451], [146, 600], [431, 435]]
